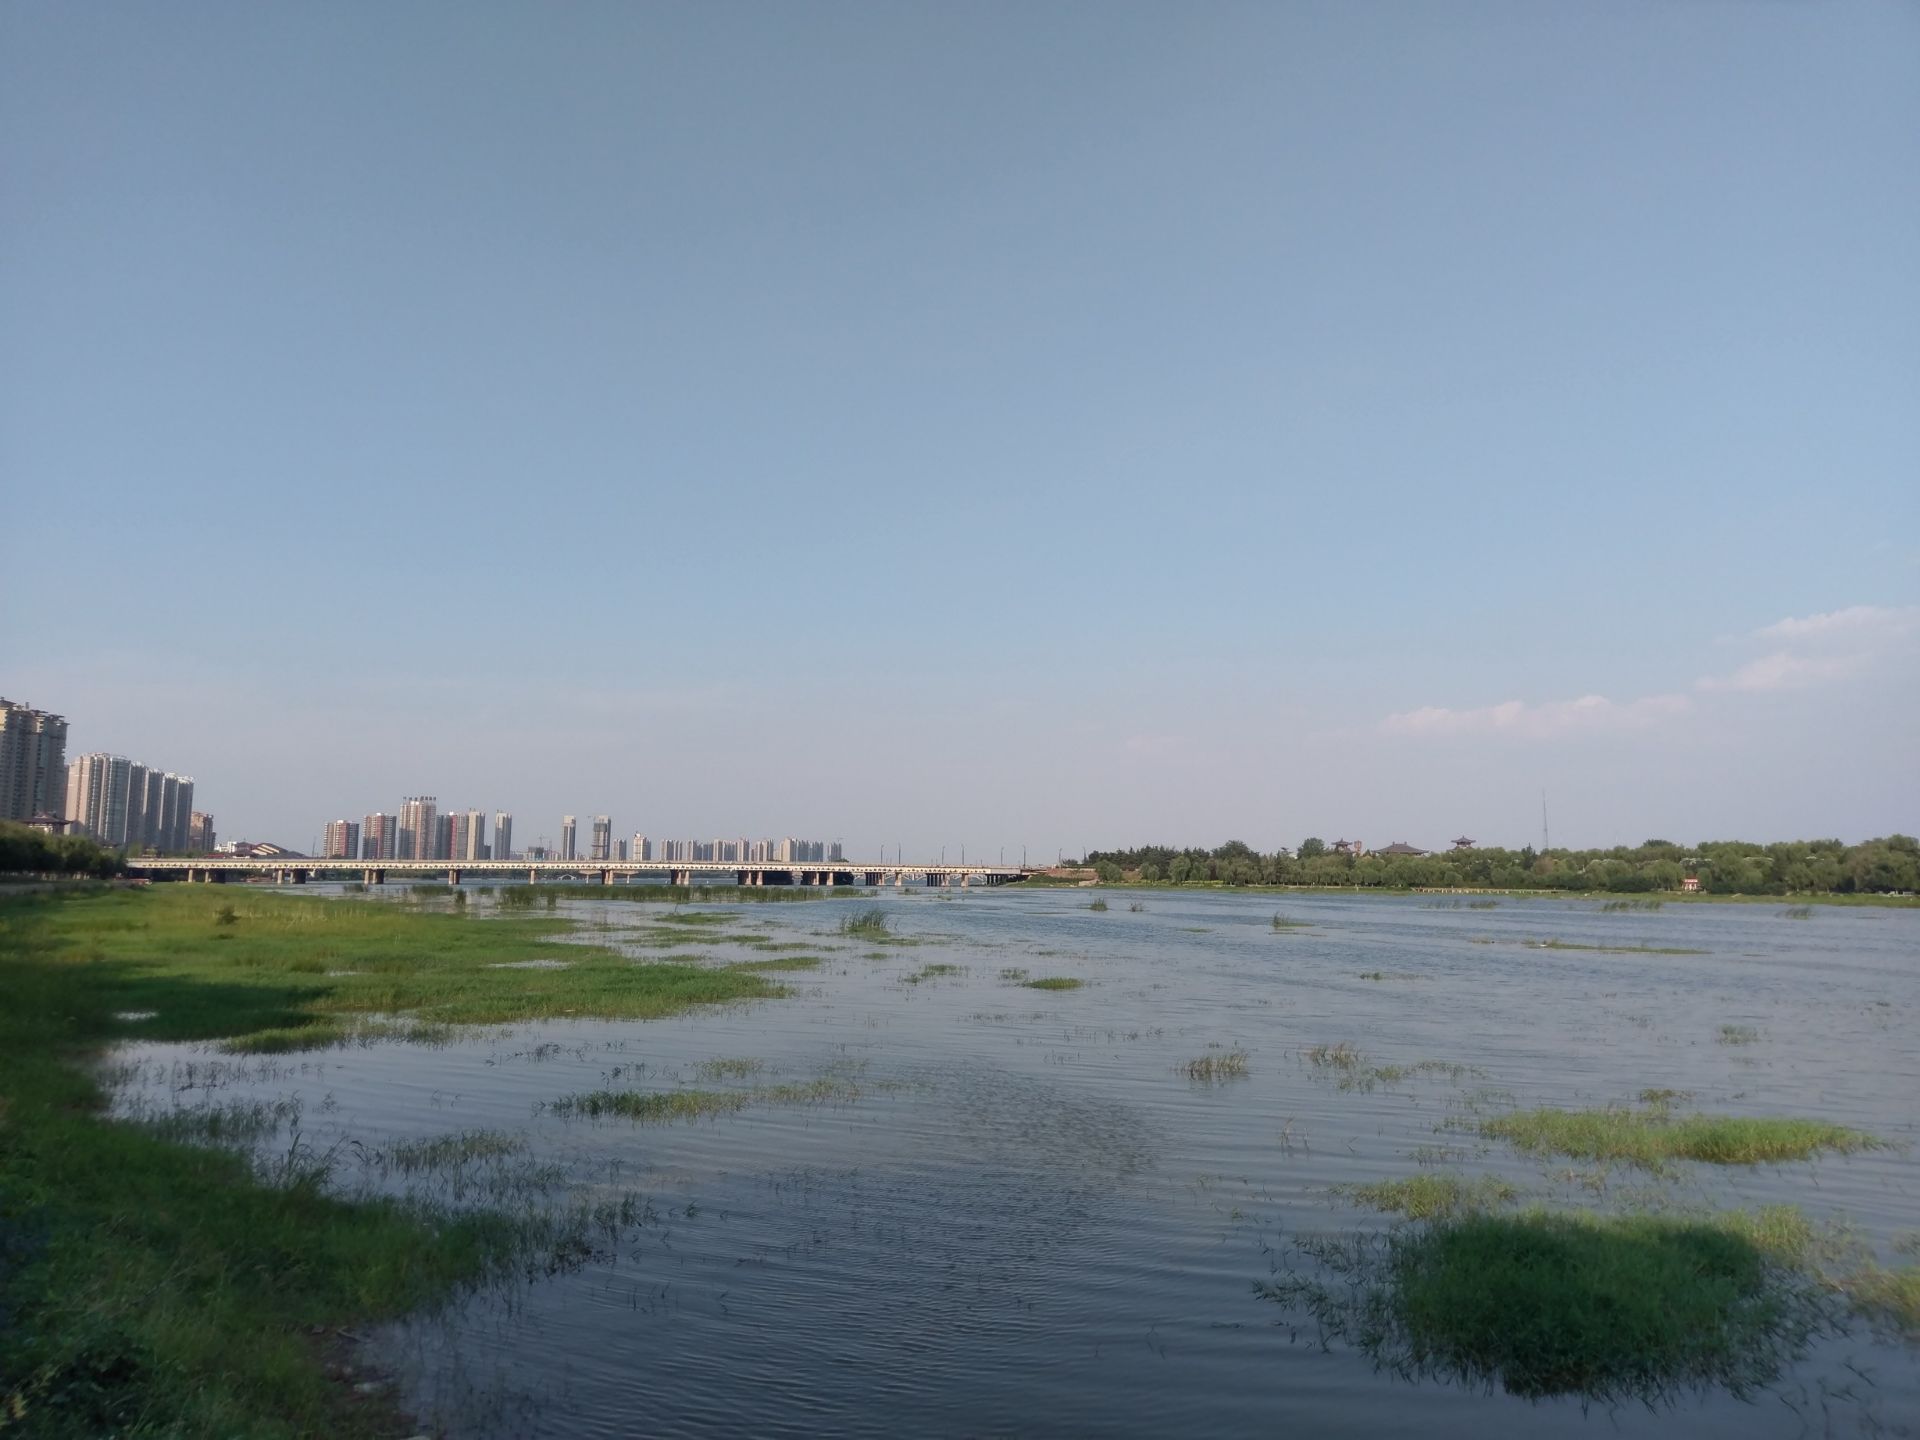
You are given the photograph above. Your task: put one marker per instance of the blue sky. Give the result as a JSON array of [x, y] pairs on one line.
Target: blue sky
[[1046, 425]]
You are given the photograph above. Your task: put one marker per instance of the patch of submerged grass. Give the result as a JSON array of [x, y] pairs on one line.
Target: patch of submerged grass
[[666, 1106], [1425, 1196], [1054, 982], [1097, 905], [1601, 1308], [936, 971], [1653, 1138], [1333, 1057], [1797, 912], [729, 1068], [1613, 949], [1738, 1035], [238, 1124], [1216, 1066], [1664, 1097], [1286, 922], [651, 1106], [1890, 1298], [1368, 1077], [778, 964], [1615, 906], [468, 1147]]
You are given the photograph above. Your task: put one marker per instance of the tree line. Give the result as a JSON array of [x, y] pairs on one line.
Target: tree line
[[1887, 865], [26, 851]]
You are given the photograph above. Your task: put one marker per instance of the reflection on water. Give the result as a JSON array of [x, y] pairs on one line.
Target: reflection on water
[[1032, 1211]]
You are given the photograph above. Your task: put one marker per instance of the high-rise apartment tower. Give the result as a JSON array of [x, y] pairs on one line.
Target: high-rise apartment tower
[[33, 762]]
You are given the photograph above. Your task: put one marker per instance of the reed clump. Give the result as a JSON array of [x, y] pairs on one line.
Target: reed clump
[[869, 923], [1054, 982]]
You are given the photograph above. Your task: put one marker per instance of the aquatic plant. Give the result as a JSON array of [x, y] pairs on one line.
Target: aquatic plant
[[933, 972], [1097, 905], [1424, 1196], [665, 1106], [1216, 1066], [1333, 1057], [1284, 922], [1797, 912], [1738, 1035], [1653, 1138], [729, 1068], [1054, 982], [867, 924], [1599, 1308]]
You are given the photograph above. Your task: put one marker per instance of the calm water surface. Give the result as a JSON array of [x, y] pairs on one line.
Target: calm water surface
[[1028, 1220]]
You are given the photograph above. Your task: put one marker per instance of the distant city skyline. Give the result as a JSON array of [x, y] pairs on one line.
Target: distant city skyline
[[1058, 426]]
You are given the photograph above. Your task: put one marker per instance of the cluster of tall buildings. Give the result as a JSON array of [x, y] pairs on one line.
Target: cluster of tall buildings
[[122, 802], [420, 832], [115, 800], [789, 851]]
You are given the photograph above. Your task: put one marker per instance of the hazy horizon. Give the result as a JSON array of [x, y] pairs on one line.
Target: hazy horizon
[[1056, 426]]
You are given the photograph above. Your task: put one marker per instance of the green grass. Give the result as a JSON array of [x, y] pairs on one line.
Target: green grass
[[1216, 1066], [1054, 982], [1097, 905], [266, 988], [1285, 922], [1435, 1193], [1599, 1308], [154, 1287], [1653, 1138], [1738, 1035]]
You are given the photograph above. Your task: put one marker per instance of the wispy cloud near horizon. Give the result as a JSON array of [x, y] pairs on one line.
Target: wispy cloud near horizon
[[1590, 714], [1811, 650]]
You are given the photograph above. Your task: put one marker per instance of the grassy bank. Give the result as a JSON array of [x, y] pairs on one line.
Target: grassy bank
[[150, 1287], [273, 972]]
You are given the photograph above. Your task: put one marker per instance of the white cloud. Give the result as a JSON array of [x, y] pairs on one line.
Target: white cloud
[[1784, 670], [1818, 649], [1855, 625], [1590, 714]]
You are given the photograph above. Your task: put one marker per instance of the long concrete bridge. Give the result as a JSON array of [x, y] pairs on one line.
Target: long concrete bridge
[[292, 870]]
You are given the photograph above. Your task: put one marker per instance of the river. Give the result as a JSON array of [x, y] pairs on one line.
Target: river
[[1011, 1211]]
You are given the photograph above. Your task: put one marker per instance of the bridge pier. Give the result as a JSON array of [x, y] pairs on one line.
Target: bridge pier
[[606, 877], [453, 876], [533, 876]]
